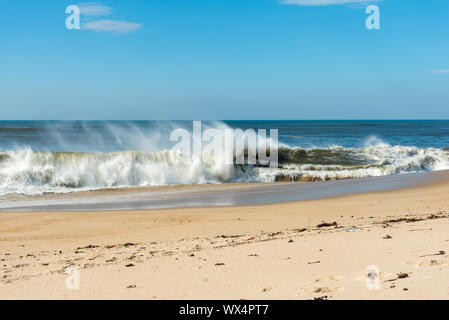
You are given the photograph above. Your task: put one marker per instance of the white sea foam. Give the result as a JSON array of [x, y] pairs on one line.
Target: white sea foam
[[381, 159], [26, 171]]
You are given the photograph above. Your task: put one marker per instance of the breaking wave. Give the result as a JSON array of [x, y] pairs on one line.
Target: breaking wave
[[26, 171]]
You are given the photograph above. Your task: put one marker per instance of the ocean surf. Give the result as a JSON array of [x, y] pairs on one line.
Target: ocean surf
[[58, 157]]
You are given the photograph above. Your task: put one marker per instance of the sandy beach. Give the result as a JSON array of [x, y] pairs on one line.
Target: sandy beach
[[297, 250], [174, 151]]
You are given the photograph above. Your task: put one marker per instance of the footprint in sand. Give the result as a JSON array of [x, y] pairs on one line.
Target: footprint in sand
[[330, 279], [431, 262], [320, 290], [324, 285]]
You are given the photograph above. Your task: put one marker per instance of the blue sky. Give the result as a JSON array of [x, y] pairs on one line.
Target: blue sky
[[224, 59]]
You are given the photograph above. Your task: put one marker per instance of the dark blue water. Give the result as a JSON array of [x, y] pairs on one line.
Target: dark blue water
[[98, 136], [354, 134]]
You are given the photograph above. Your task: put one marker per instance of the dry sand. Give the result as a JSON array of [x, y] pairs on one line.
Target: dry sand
[[254, 252]]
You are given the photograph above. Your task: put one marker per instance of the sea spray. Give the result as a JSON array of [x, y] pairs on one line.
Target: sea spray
[[59, 157], [31, 172]]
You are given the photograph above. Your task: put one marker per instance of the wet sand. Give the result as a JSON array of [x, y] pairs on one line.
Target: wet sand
[[222, 195], [297, 250]]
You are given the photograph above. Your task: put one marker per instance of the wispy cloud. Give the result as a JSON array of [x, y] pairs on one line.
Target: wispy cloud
[[94, 9], [325, 2], [439, 71], [114, 26]]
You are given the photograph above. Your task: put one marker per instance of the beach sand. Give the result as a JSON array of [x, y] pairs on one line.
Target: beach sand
[[274, 251]]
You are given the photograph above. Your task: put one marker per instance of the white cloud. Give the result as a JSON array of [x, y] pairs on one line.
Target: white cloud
[[440, 71], [324, 2], [113, 26], [94, 9]]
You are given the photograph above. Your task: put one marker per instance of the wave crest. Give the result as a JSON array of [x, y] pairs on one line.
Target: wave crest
[[29, 172]]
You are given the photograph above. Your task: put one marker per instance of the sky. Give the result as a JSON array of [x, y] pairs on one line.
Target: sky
[[224, 60]]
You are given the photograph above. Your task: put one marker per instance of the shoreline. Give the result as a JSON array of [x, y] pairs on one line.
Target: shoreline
[[249, 252], [212, 195]]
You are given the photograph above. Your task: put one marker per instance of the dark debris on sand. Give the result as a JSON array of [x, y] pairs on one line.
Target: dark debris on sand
[[327, 224]]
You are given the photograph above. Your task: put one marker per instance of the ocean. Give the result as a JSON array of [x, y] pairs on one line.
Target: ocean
[[38, 157]]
